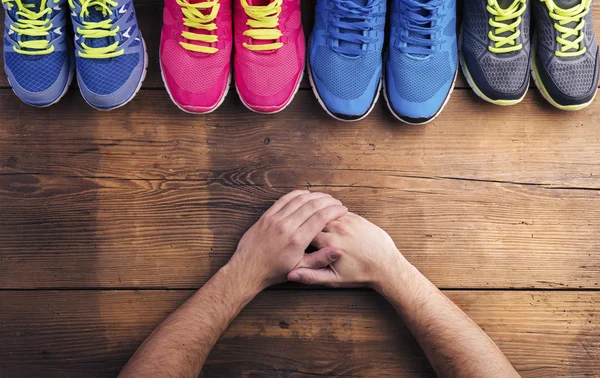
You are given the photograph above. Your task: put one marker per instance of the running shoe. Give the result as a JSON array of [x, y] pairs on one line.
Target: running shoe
[[422, 59], [269, 53], [345, 56], [110, 52], [37, 54], [495, 48], [195, 53], [565, 59]]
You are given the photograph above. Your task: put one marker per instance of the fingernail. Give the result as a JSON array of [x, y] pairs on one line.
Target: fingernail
[[294, 277]]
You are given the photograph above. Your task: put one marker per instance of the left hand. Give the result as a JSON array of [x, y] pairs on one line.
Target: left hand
[[275, 244]]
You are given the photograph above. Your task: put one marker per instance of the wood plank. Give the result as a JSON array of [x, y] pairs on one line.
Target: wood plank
[[301, 333], [77, 232], [529, 143], [149, 14]]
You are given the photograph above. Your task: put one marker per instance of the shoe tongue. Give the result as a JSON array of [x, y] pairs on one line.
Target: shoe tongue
[[259, 3], [97, 16], [505, 3], [425, 13], [352, 45], [35, 8], [566, 4]]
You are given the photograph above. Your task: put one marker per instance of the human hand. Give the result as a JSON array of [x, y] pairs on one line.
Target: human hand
[[368, 255], [275, 244]]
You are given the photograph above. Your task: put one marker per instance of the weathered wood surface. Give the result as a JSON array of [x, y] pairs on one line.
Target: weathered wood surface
[[292, 333]]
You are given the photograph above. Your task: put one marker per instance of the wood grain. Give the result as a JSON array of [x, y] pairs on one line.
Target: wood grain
[[291, 334], [77, 232], [149, 13], [149, 139]]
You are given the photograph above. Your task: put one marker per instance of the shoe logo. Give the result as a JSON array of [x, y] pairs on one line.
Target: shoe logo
[[122, 9], [58, 30], [126, 34]]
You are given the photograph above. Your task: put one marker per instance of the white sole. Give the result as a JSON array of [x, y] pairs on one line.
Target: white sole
[[437, 114], [314, 89], [288, 102], [139, 86]]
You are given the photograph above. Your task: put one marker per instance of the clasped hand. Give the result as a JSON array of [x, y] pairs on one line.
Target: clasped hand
[[351, 250]]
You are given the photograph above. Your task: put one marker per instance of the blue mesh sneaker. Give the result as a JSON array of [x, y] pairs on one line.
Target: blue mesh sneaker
[[37, 57], [109, 50], [345, 56], [565, 59], [422, 59]]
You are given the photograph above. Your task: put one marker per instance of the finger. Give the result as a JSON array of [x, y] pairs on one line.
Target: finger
[[280, 203], [324, 276], [315, 224], [308, 209], [320, 258], [331, 226], [298, 201], [322, 240]]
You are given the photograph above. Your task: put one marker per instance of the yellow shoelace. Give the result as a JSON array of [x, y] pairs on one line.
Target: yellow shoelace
[[32, 24], [563, 17], [194, 18], [98, 29], [508, 43], [263, 21]]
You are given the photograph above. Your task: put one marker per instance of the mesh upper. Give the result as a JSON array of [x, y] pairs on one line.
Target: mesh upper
[[193, 72], [573, 76], [105, 76], [270, 73], [346, 78], [419, 80], [506, 76], [35, 73]]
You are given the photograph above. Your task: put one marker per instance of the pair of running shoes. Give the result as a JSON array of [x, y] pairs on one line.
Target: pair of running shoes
[[497, 53], [263, 38], [109, 53]]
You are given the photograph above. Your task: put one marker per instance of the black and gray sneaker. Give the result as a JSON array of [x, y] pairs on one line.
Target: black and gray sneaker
[[495, 49], [565, 59]]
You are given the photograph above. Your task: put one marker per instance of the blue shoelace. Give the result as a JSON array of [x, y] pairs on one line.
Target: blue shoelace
[[352, 20], [419, 19]]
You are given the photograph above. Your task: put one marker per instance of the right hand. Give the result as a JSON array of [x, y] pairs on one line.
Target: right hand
[[367, 255]]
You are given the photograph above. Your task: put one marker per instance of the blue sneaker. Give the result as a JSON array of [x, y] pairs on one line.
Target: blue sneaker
[[37, 58], [345, 56], [109, 50], [422, 60]]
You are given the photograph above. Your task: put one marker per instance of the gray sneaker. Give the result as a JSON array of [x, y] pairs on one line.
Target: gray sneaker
[[495, 49], [565, 59]]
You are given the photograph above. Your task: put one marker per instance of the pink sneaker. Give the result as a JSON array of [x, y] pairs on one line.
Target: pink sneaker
[[269, 53], [195, 53]]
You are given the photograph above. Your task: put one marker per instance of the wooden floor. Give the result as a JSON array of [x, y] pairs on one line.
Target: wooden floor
[[108, 221]]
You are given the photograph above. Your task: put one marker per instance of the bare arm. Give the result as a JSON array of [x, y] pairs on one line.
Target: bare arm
[[453, 343], [267, 252]]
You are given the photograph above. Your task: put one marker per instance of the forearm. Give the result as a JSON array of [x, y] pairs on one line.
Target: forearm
[[181, 343], [453, 343]]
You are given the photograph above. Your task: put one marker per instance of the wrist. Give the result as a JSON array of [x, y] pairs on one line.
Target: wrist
[[396, 273], [235, 273]]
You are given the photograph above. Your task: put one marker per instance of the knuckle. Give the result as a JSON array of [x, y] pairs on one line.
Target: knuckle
[[296, 240]]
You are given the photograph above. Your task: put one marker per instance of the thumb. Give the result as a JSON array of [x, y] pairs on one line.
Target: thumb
[[320, 258], [323, 276]]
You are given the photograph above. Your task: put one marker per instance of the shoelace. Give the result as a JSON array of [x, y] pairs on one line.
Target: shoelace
[[263, 22], [98, 29], [352, 20], [32, 24], [423, 30], [194, 18], [570, 47], [505, 33]]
